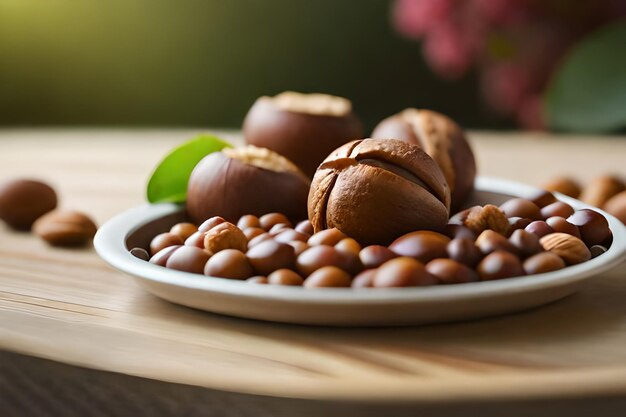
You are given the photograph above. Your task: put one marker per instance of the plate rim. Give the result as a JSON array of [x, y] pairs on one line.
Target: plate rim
[[109, 243]]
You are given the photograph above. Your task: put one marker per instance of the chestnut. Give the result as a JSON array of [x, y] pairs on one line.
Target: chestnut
[[328, 276], [268, 256], [402, 272], [164, 240], [303, 127], [24, 201], [593, 227], [520, 207], [498, 265], [284, 277], [188, 259], [449, 271], [442, 139], [234, 182], [375, 190], [229, 263], [422, 245]]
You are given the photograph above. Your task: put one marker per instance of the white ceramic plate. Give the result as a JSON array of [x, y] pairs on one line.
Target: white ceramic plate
[[344, 306]]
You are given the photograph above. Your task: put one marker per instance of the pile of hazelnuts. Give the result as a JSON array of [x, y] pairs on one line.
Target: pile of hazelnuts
[[310, 202]]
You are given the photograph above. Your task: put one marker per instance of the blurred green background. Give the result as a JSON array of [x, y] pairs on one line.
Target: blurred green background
[[203, 63]]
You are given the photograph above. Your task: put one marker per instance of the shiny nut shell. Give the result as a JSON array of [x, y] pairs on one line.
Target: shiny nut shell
[[24, 201]]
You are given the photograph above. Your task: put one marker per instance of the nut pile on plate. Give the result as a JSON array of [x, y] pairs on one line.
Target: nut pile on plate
[[310, 202]]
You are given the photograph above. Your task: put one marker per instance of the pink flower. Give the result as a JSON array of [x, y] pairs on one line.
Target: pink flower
[[413, 18]]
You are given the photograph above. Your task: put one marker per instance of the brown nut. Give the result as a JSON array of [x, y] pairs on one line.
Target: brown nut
[[252, 232], [164, 240], [328, 237], [319, 256], [525, 243], [374, 256], [464, 251], [448, 271], [516, 223], [422, 245], [184, 230], [539, 228], [593, 227], [543, 262], [298, 246], [520, 207], [616, 206], [571, 249], [260, 238], [597, 250], [542, 198], [328, 276], [304, 226], [402, 272], [197, 240], [163, 255], [279, 228], [499, 265], [303, 127], [65, 228], [229, 263], [488, 217], [375, 190], [601, 189], [210, 223], [247, 221], [457, 231], [563, 185], [365, 279], [24, 201], [442, 139], [560, 225], [269, 256], [490, 241], [188, 259], [140, 253], [558, 208], [284, 277], [225, 236], [349, 245], [290, 235], [269, 220], [235, 182]]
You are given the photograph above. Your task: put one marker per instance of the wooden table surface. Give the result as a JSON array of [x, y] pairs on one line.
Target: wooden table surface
[[70, 307]]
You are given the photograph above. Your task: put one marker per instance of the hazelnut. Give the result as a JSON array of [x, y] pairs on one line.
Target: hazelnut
[[229, 263], [525, 243], [266, 257], [184, 230], [210, 223], [571, 249], [616, 206], [457, 231], [542, 198], [328, 276], [252, 232], [269, 220], [563, 185], [259, 238], [375, 255], [442, 139], [499, 265], [24, 201], [489, 241], [422, 245], [543, 262], [225, 236], [290, 235], [197, 240], [161, 257], [284, 277], [248, 220], [319, 256], [305, 226], [303, 127], [558, 208], [349, 245], [449, 271], [593, 227], [520, 207], [65, 228], [516, 223], [364, 279], [539, 228], [488, 217], [164, 240], [601, 189], [188, 259], [464, 251], [298, 246], [402, 272], [234, 182], [560, 225], [279, 228], [376, 190], [328, 237]]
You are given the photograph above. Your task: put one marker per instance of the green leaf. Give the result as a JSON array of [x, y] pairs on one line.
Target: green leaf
[[169, 180], [588, 92]]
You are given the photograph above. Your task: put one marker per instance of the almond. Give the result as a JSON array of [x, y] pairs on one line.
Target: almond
[[571, 249]]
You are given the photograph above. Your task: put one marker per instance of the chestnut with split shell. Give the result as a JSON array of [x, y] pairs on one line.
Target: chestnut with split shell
[[375, 190], [247, 180], [442, 139], [303, 127]]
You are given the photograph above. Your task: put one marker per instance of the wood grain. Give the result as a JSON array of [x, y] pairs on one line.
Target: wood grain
[[68, 306]]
